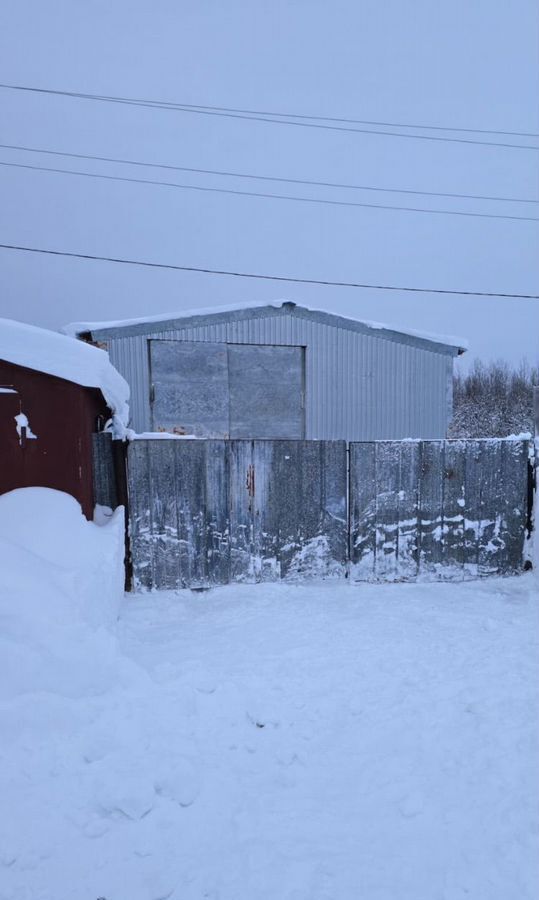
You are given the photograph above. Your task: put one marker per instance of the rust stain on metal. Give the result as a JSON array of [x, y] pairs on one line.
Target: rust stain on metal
[[250, 481]]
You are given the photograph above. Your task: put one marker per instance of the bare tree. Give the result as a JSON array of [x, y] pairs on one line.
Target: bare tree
[[493, 400]]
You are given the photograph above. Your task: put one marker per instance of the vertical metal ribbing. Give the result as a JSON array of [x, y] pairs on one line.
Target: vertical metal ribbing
[[358, 386]]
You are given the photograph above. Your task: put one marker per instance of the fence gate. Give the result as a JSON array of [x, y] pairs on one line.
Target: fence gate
[[437, 508], [206, 512]]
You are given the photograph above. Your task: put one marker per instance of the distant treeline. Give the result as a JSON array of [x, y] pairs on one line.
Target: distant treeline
[[493, 400]]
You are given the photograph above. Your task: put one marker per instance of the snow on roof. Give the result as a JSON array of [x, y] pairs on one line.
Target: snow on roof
[[62, 356], [78, 328]]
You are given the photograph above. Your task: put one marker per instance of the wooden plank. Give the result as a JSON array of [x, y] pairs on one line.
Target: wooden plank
[[217, 522], [515, 495], [265, 525], [362, 500], [312, 556], [104, 479], [190, 481], [492, 503], [453, 508], [140, 520], [408, 510], [300, 508], [387, 510], [431, 505], [241, 489], [319, 529], [278, 480], [472, 506], [334, 507], [163, 508]]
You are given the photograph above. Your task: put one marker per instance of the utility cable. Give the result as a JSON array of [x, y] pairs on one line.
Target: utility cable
[[292, 280], [260, 195], [207, 111], [270, 178]]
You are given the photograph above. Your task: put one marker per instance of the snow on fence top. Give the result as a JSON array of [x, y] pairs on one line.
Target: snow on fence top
[[62, 356], [78, 328]]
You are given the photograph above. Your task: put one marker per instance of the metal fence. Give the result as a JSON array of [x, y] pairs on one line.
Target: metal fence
[[207, 512], [211, 512], [438, 508]]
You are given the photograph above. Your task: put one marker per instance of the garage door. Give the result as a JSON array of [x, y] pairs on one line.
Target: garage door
[[266, 391], [216, 390]]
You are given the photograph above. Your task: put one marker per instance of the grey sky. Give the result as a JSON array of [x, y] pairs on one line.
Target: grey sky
[[454, 62]]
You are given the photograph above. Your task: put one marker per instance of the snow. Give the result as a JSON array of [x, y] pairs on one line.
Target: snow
[[524, 436], [62, 356], [131, 435], [324, 741], [76, 328], [21, 421]]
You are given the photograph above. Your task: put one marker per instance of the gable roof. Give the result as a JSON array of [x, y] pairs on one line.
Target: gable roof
[[64, 357], [218, 314]]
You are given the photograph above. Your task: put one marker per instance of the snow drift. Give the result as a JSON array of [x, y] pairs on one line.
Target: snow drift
[[277, 741], [61, 581]]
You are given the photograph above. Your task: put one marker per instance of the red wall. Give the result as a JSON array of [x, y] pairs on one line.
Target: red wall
[[63, 415]]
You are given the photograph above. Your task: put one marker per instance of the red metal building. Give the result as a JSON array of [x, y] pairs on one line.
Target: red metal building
[[54, 448], [47, 417]]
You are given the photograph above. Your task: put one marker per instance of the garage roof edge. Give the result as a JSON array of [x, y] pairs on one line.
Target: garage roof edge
[[102, 331]]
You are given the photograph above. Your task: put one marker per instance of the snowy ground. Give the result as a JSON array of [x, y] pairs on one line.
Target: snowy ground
[[273, 742]]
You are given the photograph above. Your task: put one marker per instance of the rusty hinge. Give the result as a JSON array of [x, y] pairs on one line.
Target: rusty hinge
[[250, 481]]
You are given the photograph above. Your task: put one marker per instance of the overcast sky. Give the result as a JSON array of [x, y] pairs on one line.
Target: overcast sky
[[458, 63]]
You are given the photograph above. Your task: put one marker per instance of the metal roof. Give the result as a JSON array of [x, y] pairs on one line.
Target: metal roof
[[193, 318]]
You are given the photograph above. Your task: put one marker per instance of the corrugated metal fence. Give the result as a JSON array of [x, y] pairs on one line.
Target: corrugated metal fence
[[207, 512]]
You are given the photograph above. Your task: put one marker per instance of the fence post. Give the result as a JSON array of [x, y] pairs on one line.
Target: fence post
[[534, 486]]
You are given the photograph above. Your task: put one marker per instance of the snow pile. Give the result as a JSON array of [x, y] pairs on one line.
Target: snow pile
[[61, 581], [85, 748], [65, 357]]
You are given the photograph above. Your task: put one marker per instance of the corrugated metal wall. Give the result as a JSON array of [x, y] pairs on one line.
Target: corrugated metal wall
[[359, 387]]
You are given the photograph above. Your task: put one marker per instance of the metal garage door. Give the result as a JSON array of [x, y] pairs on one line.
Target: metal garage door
[[266, 391], [189, 388], [235, 390]]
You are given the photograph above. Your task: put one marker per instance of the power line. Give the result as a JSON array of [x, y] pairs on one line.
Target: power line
[[259, 112], [270, 178], [269, 118], [260, 195], [285, 115], [292, 280]]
